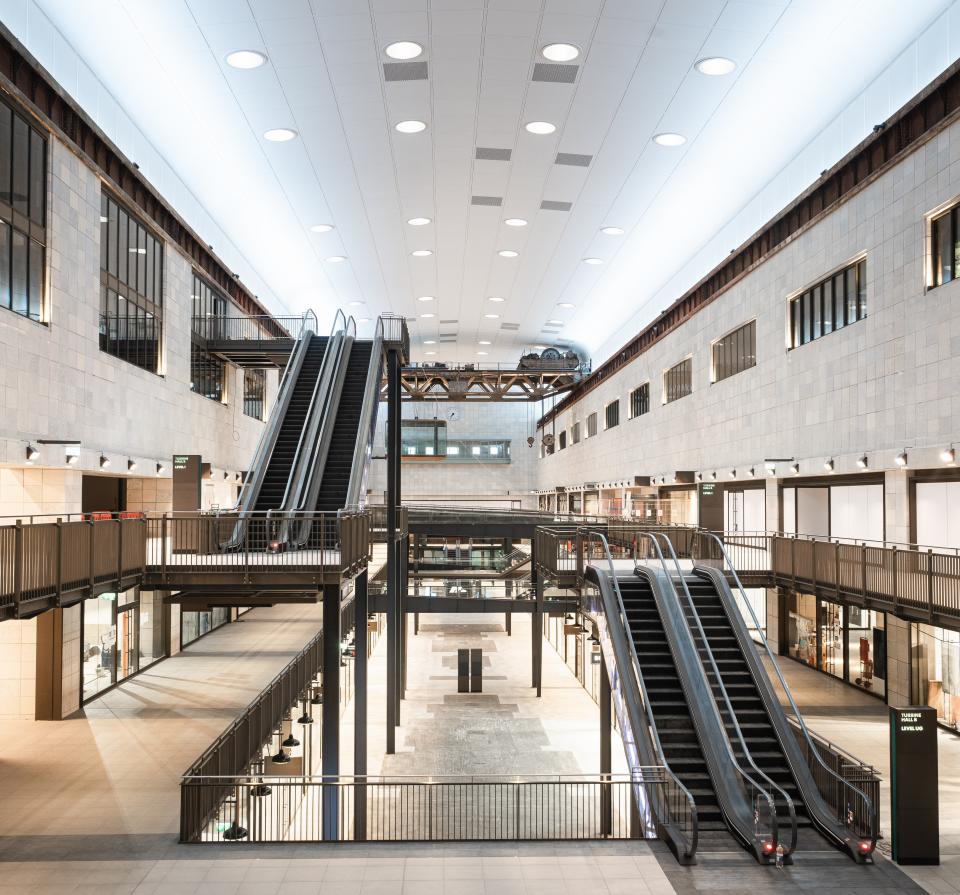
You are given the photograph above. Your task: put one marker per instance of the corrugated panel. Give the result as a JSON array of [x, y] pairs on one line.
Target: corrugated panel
[[405, 71], [493, 155], [486, 200], [573, 158], [555, 72], [550, 205]]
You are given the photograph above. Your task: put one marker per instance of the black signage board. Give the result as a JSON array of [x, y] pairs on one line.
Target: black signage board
[[914, 806], [186, 482], [463, 671]]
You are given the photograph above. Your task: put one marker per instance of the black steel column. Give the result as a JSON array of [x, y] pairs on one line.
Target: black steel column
[[361, 637], [606, 763], [402, 591], [330, 715], [393, 500], [536, 623]]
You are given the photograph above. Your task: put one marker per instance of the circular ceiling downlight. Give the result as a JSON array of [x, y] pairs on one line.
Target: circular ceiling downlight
[[715, 65], [566, 304], [612, 231], [560, 52], [495, 298], [412, 126], [669, 139], [593, 261], [335, 259], [515, 222], [507, 253], [421, 253], [426, 298], [492, 316], [321, 228], [403, 49], [427, 316], [246, 59], [541, 128], [279, 134], [418, 222]]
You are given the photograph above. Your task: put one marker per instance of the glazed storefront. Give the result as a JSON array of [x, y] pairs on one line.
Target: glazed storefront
[[846, 642], [935, 671]]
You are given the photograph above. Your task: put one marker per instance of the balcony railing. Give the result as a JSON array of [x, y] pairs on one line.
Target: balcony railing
[[252, 329], [51, 563]]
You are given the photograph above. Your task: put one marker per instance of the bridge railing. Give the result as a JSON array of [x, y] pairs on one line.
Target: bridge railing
[[252, 329]]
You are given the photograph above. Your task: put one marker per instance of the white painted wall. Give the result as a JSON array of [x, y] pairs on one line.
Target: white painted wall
[[856, 512], [938, 514]]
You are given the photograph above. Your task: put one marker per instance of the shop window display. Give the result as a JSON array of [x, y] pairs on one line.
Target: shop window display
[[935, 666], [802, 628], [867, 644], [99, 644]]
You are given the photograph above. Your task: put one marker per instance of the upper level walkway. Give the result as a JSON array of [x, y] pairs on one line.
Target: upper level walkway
[[114, 770]]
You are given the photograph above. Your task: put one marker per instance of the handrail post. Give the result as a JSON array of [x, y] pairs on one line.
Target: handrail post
[[930, 583], [836, 572], [163, 547], [863, 569], [119, 554], [18, 565], [91, 555], [59, 561], [793, 560]]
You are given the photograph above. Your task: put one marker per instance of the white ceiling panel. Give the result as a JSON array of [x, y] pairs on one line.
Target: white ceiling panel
[[168, 96]]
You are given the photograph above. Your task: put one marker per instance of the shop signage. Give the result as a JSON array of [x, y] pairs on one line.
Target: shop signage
[[187, 470], [914, 822]]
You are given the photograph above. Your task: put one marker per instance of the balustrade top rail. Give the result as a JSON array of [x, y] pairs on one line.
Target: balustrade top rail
[[247, 329]]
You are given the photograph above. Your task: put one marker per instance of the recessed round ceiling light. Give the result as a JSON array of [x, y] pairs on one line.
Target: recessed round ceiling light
[[555, 322], [430, 353], [426, 298], [612, 231], [410, 127], [492, 316], [482, 352], [246, 59], [364, 320], [322, 228], [515, 222], [429, 341], [541, 128], [565, 304], [495, 298], [279, 134], [560, 52], [418, 222], [669, 139], [715, 65], [355, 304], [403, 49], [539, 347], [427, 316], [483, 342], [421, 253], [507, 253], [335, 259], [593, 260]]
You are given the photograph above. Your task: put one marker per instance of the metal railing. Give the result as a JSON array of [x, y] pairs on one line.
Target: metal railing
[[367, 426], [244, 543], [851, 806], [262, 328], [396, 334], [54, 561], [411, 809], [673, 808]]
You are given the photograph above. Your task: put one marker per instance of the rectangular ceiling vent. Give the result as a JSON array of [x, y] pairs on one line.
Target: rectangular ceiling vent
[[449, 322], [574, 159], [510, 327], [405, 71], [493, 155], [486, 200], [555, 72], [446, 340], [550, 205]]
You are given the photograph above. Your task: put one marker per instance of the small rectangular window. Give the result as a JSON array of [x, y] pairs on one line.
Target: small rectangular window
[[591, 425], [254, 391], [832, 304], [735, 352], [562, 439], [943, 248], [6, 143], [575, 433], [21, 165], [38, 178], [4, 262], [611, 415], [640, 400], [21, 303]]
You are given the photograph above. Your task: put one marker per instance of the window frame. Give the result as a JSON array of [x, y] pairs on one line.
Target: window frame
[[733, 364], [615, 406], [203, 361], [255, 404], [632, 415], [667, 399], [807, 309], [591, 427]]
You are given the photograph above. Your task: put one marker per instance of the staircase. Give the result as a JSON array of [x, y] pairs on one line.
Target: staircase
[[678, 737], [336, 472], [274, 486]]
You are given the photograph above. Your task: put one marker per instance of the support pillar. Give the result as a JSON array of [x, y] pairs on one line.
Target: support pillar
[[49, 666], [393, 500], [360, 708], [509, 623], [606, 762], [536, 624], [402, 591], [330, 713]]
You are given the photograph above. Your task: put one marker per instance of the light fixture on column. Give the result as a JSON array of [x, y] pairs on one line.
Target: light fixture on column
[[699, 476], [771, 469], [901, 458], [104, 461], [751, 472], [291, 741], [316, 697], [948, 455], [863, 462], [733, 473], [305, 717], [131, 465], [713, 475], [795, 469], [281, 757], [32, 453], [828, 464], [72, 452], [226, 475], [159, 469]]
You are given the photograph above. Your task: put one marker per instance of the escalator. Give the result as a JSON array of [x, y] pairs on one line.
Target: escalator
[[671, 713], [273, 485], [849, 823], [338, 467]]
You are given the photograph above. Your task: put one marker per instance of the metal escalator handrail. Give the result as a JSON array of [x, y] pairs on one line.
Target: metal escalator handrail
[[641, 685], [801, 724], [366, 430], [791, 811]]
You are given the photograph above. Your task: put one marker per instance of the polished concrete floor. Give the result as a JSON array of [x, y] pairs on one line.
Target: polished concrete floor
[[90, 805]]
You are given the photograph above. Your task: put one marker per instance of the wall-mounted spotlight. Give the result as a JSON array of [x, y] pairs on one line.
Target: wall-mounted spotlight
[[159, 469], [699, 476], [733, 473], [713, 475], [771, 469], [104, 461], [751, 472], [948, 455], [828, 465], [131, 465], [795, 469], [901, 458], [863, 462], [72, 452], [32, 453]]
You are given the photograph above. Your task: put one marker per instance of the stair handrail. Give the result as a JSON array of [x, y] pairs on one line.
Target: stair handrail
[[868, 845], [791, 811], [637, 676], [366, 429]]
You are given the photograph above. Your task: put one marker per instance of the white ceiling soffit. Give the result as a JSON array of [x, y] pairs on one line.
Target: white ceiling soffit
[[811, 78]]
